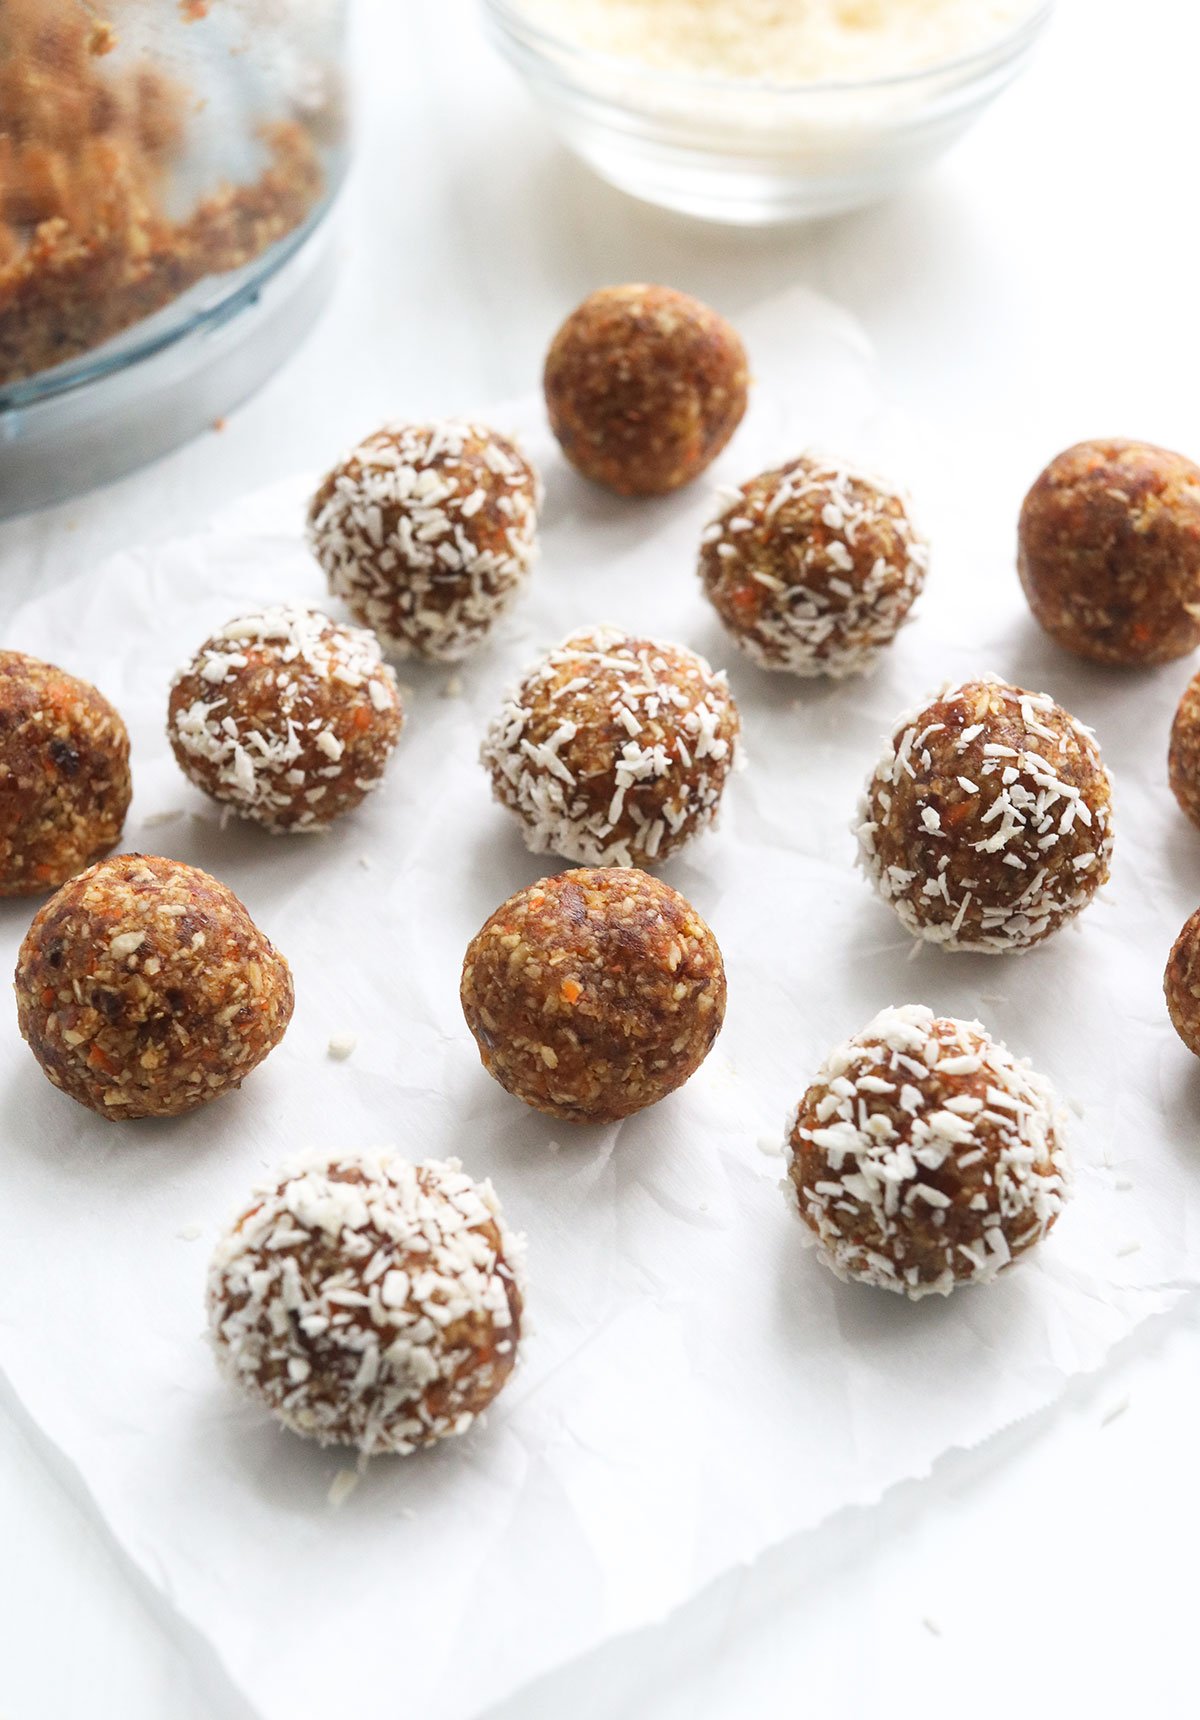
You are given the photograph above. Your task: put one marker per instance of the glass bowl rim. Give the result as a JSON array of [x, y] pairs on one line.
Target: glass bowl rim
[[522, 31]]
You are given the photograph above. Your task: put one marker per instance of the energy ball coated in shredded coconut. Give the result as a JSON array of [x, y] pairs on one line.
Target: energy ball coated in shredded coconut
[[428, 532], [614, 750], [370, 1302], [988, 821], [145, 989], [813, 567], [925, 1155], [1181, 984], [64, 775], [1109, 552], [286, 717], [644, 387], [594, 994]]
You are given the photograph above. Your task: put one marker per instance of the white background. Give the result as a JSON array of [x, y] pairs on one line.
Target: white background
[[1038, 287]]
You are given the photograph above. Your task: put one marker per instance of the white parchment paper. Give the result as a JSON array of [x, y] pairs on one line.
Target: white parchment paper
[[696, 1386]]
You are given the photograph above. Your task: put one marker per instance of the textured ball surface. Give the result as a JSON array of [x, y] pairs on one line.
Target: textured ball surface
[[428, 532], [1181, 984], [813, 567], [1109, 552], [286, 717], [594, 994], [644, 387], [144, 988], [64, 775], [988, 821], [925, 1156], [615, 750], [1183, 757], [366, 1301]]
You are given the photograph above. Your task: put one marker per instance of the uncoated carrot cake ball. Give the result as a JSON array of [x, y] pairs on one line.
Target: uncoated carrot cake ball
[[987, 823], [64, 775], [370, 1302], [594, 994], [286, 717], [813, 566], [925, 1155], [614, 750], [644, 387], [1183, 757], [1181, 984], [428, 532], [145, 989], [1109, 552]]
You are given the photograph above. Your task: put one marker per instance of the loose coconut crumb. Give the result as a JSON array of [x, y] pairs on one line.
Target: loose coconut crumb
[[342, 1486]]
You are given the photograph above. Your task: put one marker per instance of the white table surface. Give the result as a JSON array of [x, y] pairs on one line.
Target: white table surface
[[1040, 286]]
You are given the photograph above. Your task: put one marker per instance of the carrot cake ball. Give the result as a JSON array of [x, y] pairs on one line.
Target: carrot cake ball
[[813, 567], [988, 821], [925, 1155], [644, 387], [145, 989], [64, 775], [1181, 984], [1183, 758], [1109, 552], [369, 1302], [594, 994], [286, 717], [614, 750], [428, 532]]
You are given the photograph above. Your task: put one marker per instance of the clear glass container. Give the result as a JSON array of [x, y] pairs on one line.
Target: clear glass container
[[753, 153], [166, 172]]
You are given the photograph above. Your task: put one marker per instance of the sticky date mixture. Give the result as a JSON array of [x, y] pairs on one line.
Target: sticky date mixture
[[91, 144]]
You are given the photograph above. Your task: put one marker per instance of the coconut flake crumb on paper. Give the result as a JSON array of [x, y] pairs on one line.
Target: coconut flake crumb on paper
[[153, 820], [1128, 1248], [341, 1046], [342, 1486], [771, 1146], [190, 1233], [932, 1626], [453, 688], [1114, 1413]]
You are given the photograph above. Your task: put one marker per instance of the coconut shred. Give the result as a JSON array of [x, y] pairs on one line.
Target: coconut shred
[[782, 41]]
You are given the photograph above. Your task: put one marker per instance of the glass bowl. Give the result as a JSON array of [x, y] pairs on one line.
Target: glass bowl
[[167, 168], [754, 153]]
